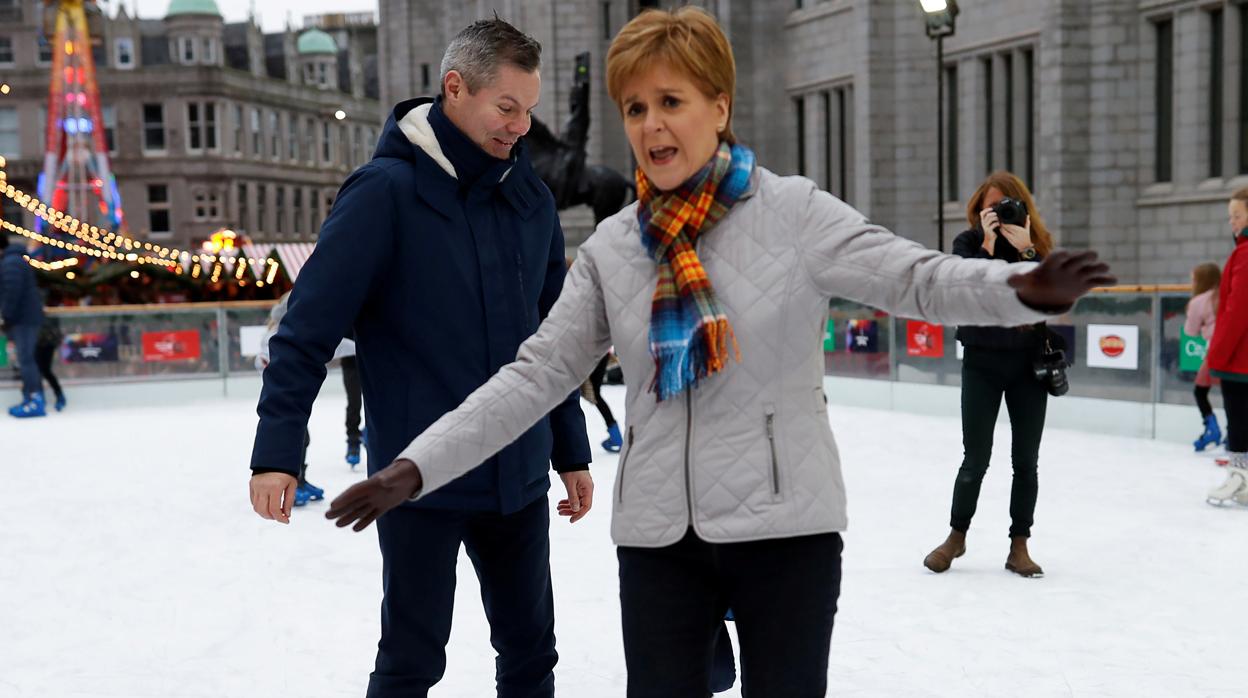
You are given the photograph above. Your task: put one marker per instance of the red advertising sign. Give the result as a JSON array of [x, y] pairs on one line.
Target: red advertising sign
[[1113, 346], [181, 345], [925, 339]]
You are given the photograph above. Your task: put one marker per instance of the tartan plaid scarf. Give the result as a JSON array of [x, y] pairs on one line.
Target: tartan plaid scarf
[[689, 333]]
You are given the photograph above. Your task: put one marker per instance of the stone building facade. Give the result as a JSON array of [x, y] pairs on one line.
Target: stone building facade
[[1128, 118]]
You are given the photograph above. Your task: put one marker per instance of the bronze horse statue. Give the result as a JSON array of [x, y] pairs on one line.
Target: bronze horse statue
[[560, 159]]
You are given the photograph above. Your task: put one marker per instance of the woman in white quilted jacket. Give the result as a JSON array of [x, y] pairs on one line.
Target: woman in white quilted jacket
[[713, 289]]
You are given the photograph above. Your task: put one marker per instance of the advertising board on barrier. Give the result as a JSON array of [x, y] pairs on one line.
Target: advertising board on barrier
[[1191, 352], [863, 337], [180, 345], [925, 339], [89, 347], [1114, 346]]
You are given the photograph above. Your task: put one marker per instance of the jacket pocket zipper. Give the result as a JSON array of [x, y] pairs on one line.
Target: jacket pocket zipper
[[624, 463], [771, 441]]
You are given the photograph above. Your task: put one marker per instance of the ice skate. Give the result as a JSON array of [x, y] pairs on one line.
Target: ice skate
[[614, 441], [1234, 491], [32, 406], [1212, 435]]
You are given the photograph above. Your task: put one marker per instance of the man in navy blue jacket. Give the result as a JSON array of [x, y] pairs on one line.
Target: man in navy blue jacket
[[442, 255], [21, 308]]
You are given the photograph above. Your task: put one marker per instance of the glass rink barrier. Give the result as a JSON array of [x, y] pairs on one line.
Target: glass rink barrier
[[1132, 372], [126, 345], [1133, 369]]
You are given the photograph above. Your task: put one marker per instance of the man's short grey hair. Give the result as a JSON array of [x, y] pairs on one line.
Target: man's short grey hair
[[480, 49]]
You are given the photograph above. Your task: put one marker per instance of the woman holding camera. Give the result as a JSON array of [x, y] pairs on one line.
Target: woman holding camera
[[999, 362]]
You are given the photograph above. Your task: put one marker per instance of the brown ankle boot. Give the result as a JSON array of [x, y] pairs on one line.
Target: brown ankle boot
[[1019, 562], [939, 559]]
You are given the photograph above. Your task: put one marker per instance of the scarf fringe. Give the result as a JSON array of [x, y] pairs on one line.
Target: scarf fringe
[[684, 365]]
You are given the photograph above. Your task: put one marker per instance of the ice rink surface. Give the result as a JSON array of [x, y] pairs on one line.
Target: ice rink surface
[[132, 566]]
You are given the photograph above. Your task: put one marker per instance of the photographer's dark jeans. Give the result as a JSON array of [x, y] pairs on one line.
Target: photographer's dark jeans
[[782, 592], [988, 375]]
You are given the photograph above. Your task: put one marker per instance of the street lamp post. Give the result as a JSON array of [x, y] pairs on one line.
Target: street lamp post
[[941, 19]]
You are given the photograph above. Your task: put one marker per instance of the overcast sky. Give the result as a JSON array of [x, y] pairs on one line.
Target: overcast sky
[[272, 13]]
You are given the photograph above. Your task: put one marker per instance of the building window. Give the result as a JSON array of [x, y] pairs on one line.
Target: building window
[[194, 128], [256, 149], [344, 147], [325, 143], [280, 205], [261, 203], [275, 135], [154, 127], [158, 221], [839, 136], [187, 50], [207, 204], [238, 130], [10, 142], [210, 125], [1164, 104], [292, 136], [1243, 90], [322, 74], [990, 113], [123, 52], [309, 140], [45, 52], [356, 158], [426, 80], [242, 221], [297, 227], [201, 126], [1029, 117], [799, 108], [951, 133], [210, 51], [6, 50], [109, 115], [606, 21], [1215, 93], [1007, 67]]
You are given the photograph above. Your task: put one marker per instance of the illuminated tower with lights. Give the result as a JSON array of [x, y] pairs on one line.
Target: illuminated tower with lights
[[76, 177]]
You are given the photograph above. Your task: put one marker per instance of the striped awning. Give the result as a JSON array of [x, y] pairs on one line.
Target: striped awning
[[293, 256], [257, 252]]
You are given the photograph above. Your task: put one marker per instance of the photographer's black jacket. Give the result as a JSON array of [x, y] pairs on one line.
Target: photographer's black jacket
[[970, 244]]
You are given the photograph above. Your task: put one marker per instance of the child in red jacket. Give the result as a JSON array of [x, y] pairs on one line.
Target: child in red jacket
[[1228, 356]]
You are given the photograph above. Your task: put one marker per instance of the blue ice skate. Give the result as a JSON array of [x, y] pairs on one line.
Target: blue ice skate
[[353, 453], [32, 406], [613, 442], [315, 493], [1211, 437]]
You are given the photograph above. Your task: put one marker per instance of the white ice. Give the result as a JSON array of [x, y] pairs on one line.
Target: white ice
[[131, 565]]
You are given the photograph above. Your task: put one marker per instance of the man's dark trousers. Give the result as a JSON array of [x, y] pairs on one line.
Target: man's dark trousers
[[511, 554]]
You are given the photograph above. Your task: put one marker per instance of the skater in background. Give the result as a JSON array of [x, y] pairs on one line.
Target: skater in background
[[999, 363], [1199, 322], [730, 494], [1227, 356], [46, 344], [21, 312], [355, 400], [591, 390]]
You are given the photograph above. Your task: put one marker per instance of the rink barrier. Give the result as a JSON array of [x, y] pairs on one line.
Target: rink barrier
[[136, 344]]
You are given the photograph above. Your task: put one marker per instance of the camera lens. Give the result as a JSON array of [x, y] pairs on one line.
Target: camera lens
[[1010, 212]]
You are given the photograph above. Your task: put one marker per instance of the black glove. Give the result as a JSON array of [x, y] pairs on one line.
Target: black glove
[[366, 501], [1061, 279]]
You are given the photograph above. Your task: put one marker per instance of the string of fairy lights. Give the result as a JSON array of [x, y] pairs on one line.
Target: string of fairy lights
[[109, 245]]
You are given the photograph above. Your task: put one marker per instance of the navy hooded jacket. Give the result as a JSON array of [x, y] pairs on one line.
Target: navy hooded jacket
[[20, 301], [440, 285]]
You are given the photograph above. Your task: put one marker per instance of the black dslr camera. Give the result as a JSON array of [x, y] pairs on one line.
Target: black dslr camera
[[1051, 363], [1011, 212]]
